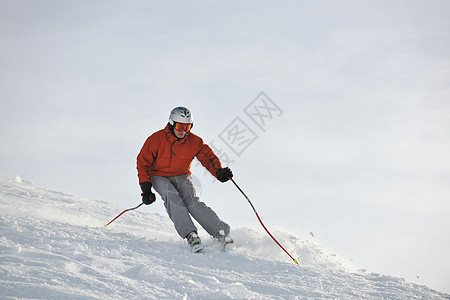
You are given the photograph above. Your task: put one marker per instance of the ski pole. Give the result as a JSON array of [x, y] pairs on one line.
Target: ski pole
[[123, 213], [259, 219]]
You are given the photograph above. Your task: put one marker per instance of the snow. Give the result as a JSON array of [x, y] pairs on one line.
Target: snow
[[53, 246]]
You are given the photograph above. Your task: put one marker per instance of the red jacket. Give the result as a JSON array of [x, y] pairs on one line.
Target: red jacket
[[165, 155]]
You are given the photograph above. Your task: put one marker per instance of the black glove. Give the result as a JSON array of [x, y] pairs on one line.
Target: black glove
[[224, 174], [148, 197]]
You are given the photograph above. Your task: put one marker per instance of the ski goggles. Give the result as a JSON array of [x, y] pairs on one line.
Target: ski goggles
[[182, 127]]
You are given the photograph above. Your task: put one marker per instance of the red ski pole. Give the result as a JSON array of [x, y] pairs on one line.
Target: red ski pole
[[123, 213], [259, 219]]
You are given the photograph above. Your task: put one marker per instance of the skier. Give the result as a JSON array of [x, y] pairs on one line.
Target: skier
[[164, 163]]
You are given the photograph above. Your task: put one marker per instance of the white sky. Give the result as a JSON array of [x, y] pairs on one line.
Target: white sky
[[359, 155]]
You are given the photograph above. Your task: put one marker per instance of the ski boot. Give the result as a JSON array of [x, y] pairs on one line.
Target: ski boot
[[224, 241], [194, 241]]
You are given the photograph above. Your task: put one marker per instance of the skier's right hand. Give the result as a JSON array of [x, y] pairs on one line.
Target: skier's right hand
[[148, 197]]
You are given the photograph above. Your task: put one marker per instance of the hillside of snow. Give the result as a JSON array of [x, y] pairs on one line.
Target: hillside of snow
[[54, 246]]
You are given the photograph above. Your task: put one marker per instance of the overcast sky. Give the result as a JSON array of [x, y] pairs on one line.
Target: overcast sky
[[349, 140]]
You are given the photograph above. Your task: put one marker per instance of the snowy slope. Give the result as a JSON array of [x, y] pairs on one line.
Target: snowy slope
[[53, 246]]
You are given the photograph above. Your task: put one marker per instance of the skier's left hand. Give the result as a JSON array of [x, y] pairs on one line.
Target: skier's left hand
[[223, 175]]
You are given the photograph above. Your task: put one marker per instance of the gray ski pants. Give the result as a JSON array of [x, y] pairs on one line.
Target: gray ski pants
[[181, 203]]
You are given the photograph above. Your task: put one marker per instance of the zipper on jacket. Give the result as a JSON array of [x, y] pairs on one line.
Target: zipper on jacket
[[171, 149]]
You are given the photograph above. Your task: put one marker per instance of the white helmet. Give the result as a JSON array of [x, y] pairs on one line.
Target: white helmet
[[180, 115]]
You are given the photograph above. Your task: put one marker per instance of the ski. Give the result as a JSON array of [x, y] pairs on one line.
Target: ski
[[222, 246], [196, 248]]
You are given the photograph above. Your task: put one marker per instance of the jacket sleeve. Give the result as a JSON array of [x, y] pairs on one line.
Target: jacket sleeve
[[208, 159], [145, 161]]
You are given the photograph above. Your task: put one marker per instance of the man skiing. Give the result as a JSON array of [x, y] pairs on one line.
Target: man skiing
[[164, 163]]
